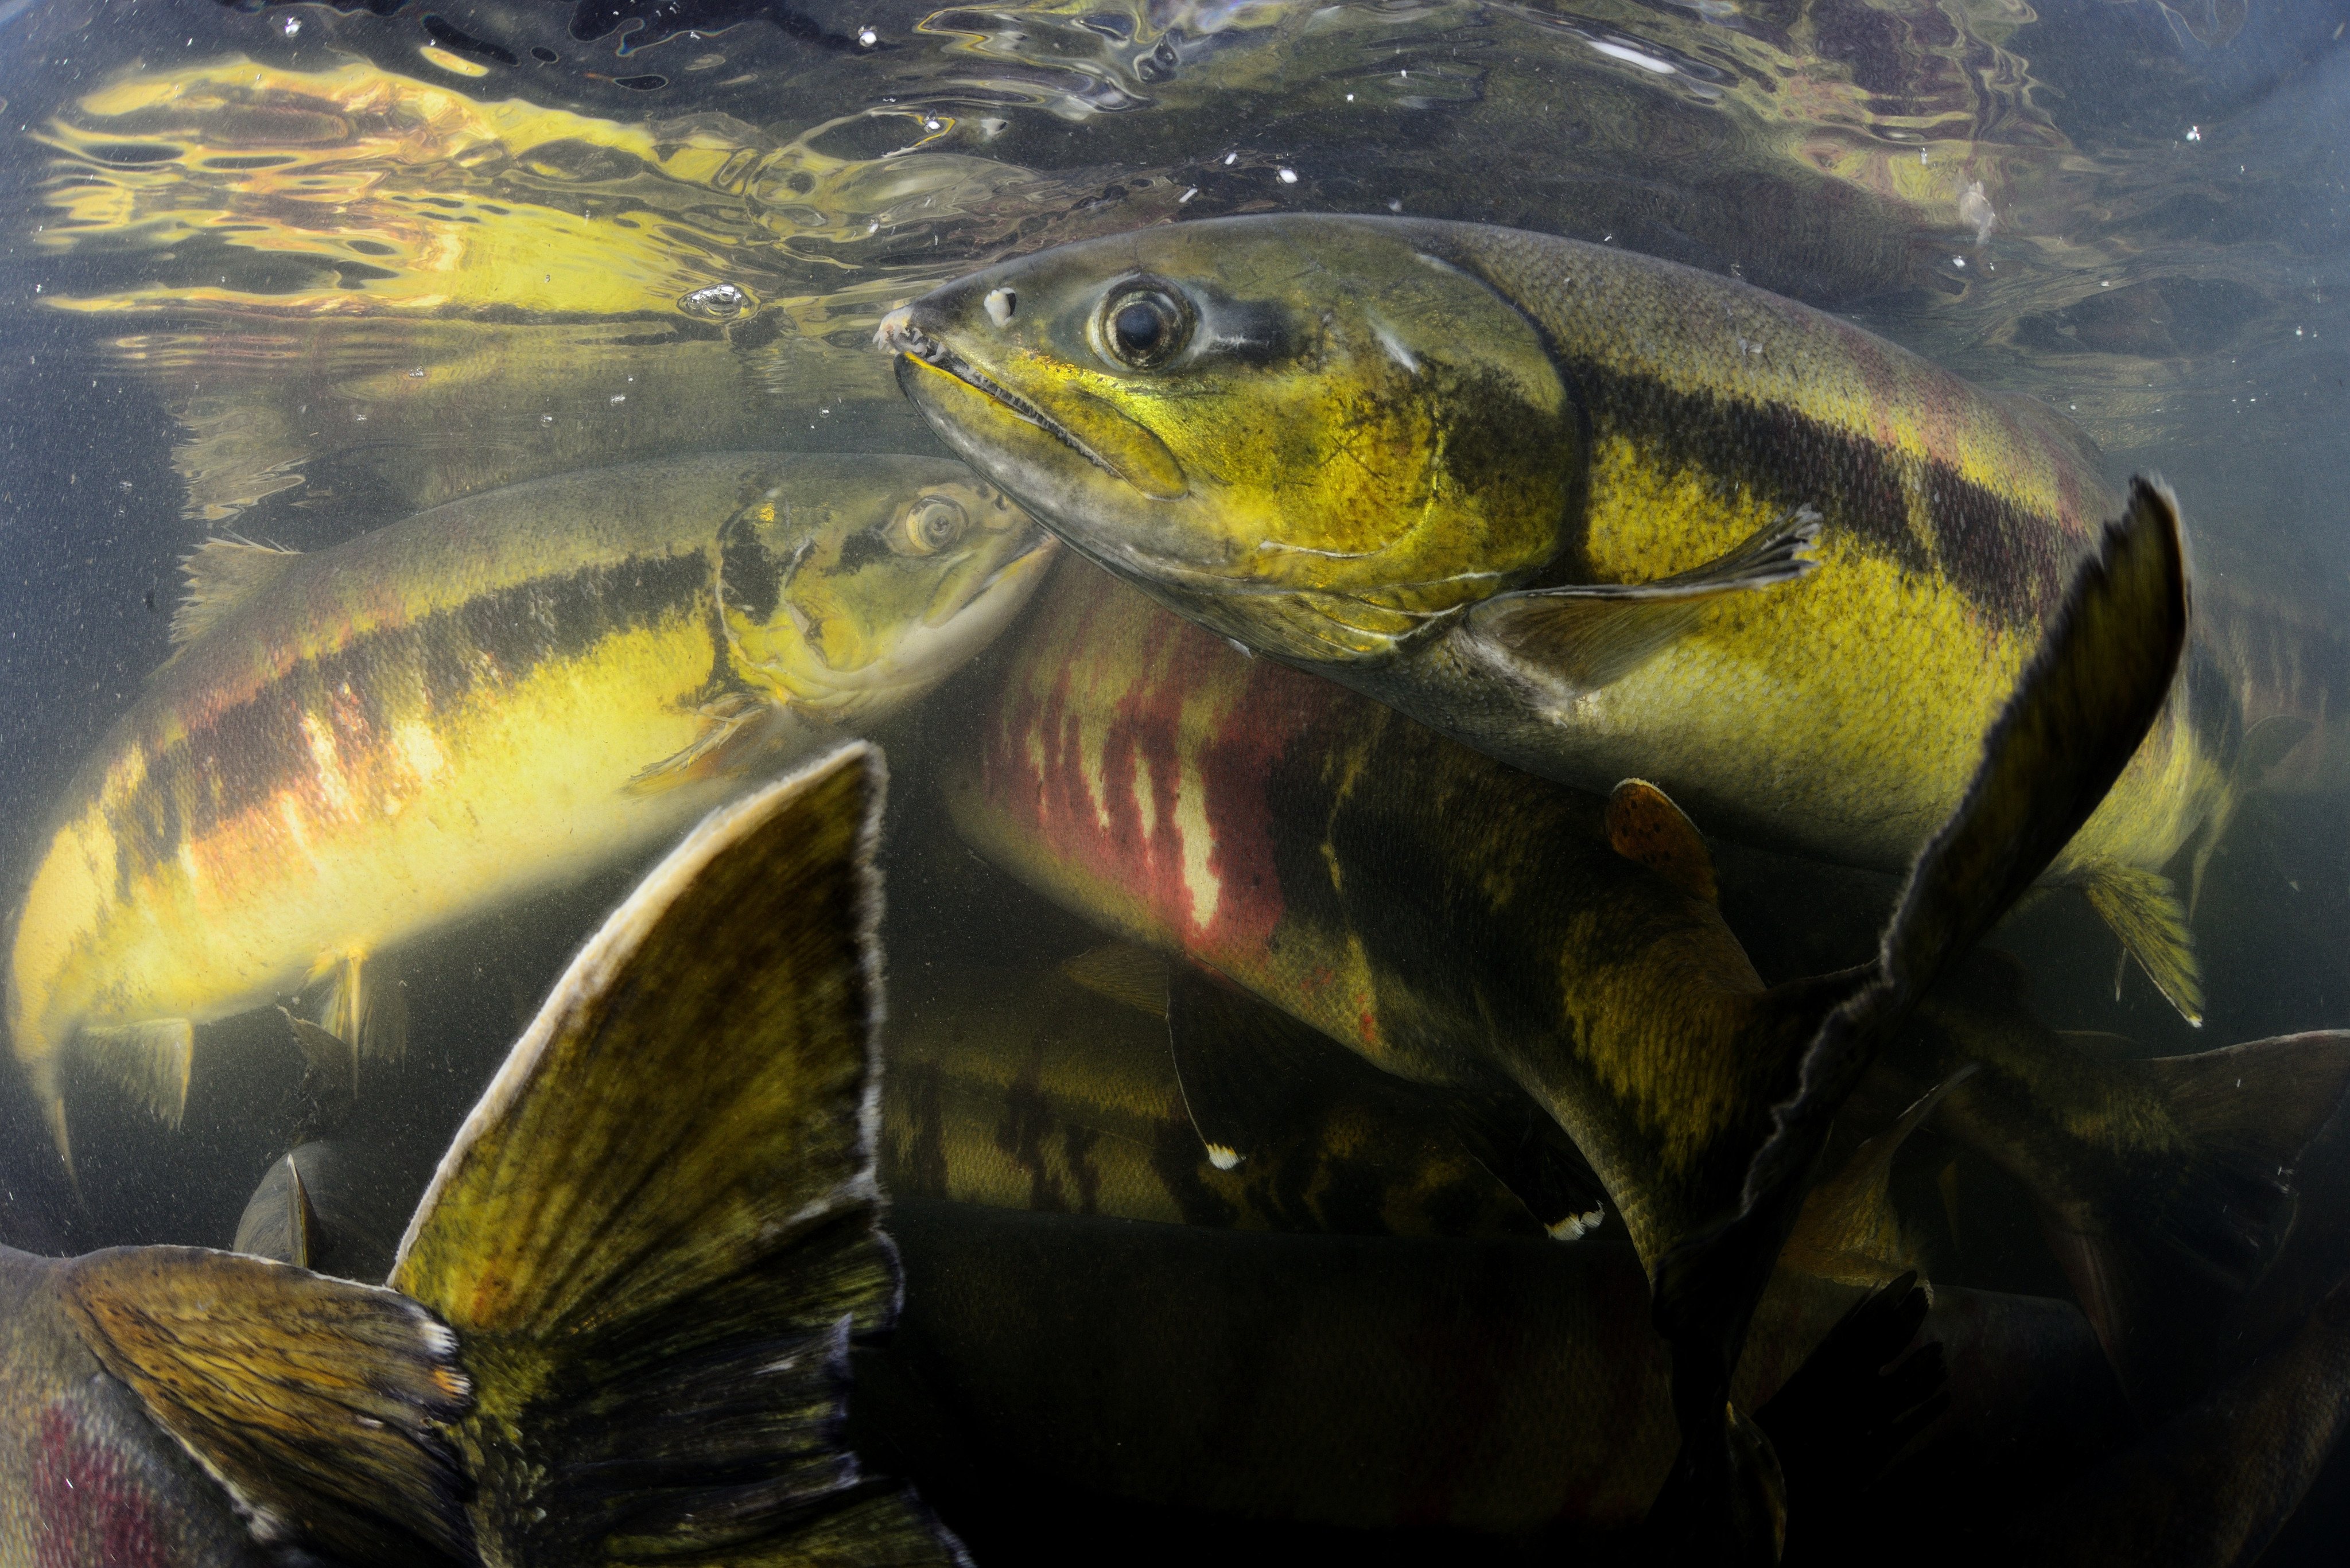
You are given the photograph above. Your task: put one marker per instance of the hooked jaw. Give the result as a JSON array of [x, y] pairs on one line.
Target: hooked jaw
[[1065, 443], [917, 349]]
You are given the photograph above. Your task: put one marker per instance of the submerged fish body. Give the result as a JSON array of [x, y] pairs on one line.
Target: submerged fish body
[[358, 745], [1035, 1091], [1555, 500], [1408, 1351], [1495, 1388], [615, 1326], [1445, 917], [1452, 920], [1373, 880]]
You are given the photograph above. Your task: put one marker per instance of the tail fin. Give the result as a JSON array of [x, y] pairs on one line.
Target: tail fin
[[2079, 713], [655, 1235], [2081, 710], [317, 1403], [2159, 1258], [2165, 1186]]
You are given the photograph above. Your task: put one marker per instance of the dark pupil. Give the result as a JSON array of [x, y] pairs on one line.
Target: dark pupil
[[1140, 328]]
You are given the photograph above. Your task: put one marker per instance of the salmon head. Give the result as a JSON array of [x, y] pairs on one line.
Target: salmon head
[[1309, 433], [853, 586]]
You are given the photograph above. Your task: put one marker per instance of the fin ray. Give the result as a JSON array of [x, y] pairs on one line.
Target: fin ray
[[364, 1005], [152, 1061], [223, 574], [1123, 972], [2144, 911], [1580, 638], [313, 1400]]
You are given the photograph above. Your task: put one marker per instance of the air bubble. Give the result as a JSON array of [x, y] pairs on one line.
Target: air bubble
[[718, 302]]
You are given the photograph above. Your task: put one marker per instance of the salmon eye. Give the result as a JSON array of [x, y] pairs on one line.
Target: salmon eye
[[930, 525], [1143, 325]]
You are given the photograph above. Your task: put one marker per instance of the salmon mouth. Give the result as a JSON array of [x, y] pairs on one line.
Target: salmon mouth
[[899, 335]]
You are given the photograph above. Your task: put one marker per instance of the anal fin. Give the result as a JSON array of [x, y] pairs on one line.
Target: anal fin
[[317, 1401], [2144, 911], [151, 1061], [1580, 638]]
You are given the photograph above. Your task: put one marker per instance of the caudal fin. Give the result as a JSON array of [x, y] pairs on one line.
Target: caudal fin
[[2080, 711], [2165, 1186], [320, 1404], [2159, 1258], [655, 1235]]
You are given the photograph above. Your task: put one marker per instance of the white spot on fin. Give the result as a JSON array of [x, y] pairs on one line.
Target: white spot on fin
[[1223, 1157]]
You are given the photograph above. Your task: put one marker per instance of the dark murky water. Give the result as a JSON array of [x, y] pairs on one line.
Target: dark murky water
[[294, 273]]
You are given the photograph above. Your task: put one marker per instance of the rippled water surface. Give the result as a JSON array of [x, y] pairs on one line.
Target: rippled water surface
[[293, 272]]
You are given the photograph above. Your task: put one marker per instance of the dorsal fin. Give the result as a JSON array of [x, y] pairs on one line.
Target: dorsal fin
[[1645, 826], [223, 574]]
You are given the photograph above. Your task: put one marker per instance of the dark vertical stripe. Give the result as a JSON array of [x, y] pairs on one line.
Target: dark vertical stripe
[[2009, 563]]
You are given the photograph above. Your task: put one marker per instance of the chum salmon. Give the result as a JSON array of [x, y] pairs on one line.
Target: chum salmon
[[616, 1327], [1597, 515], [358, 745]]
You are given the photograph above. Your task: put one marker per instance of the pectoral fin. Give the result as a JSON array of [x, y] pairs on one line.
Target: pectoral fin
[[151, 1061], [1123, 972], [736, 729], [1565, 641], [2144, 911]]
